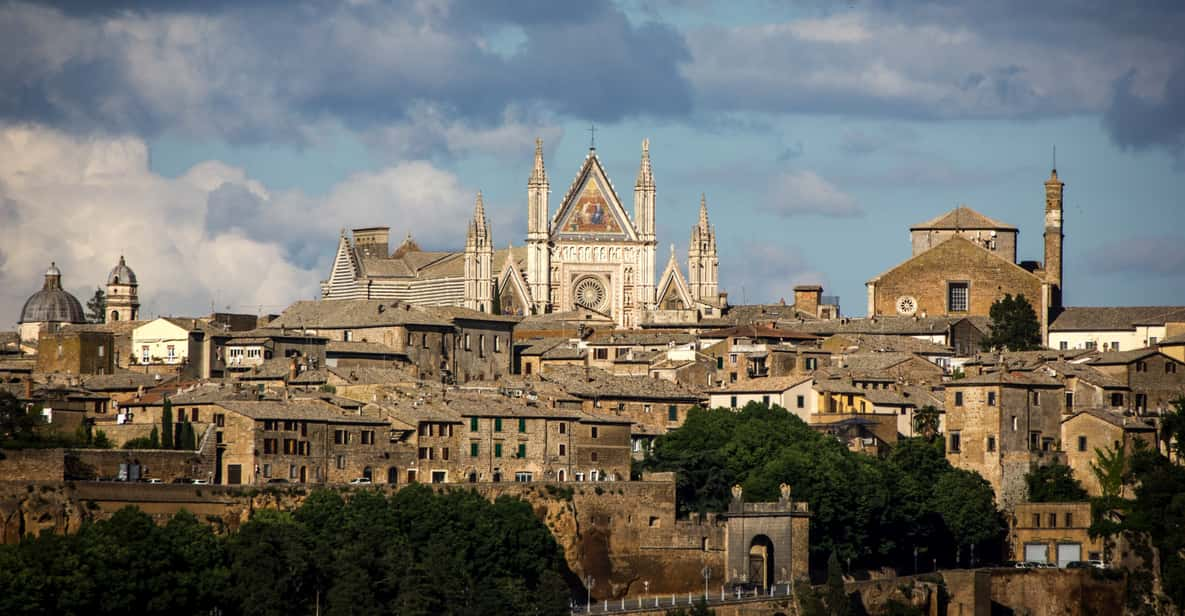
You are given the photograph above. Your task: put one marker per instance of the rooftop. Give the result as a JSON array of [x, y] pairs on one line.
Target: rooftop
[[962, 218], [1115, 318]]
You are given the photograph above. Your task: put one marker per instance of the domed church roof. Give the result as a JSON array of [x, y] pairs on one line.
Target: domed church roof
[[122, 274], [52, 304]]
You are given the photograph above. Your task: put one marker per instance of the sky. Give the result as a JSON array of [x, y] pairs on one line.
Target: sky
[[223, 146]]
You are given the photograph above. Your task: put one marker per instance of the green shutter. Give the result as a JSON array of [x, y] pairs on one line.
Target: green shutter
[[673, 413], [497, 424], [473, 424], [497, 450], [473, 449], [522, 450], [522, 425]]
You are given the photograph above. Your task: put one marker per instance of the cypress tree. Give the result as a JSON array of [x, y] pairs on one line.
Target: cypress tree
[[154, 439], [166, 425], [188, 438]]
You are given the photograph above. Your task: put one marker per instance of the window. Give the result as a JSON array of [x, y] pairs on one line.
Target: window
[[801, 401], [439, 476], [340, 461], [563, 449], [269, 445], [1036, 398], [600, 353], [497, 424], [593, 431], [522, 425], [1069, 520], [991, 398], [732, 402], [1141, 366], [234, 474], [347, 335], [720, 363], [1015, 423], [473, 424], [1114, 345], [219, 420], [1116, 399], [171, 352], [732, 377], [1053, 520], [672, 413], [290, 446], [991, 443], [267, 470], [497, 450], [954, 442], [563, 428], [1069, 400], [411, 339], [765, 400], [101, 351], [467, 342], [646, 408], [1091, 345], [481, 345], [422, 454], [144, 356], [1170, 367], [1063, 345], [1036, 520], [497, 344], [1034, 441], [958, 398], [592, 456], [1141, 401], [444, 453], [474, 450], [812, 363], [732, 359], [522, 451], [367, 437], [1082, 443], [1152, 340], [956, 296]]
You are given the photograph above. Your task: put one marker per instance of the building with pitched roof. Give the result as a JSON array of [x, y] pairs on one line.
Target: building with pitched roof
[[590, 254], [963, 261], [1115, 328]]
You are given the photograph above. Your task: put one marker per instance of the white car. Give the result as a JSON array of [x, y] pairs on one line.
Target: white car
[[153, 481], [200, 482], [360, 481]]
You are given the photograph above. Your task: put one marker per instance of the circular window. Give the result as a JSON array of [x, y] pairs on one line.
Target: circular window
[[907, 305], [590, 293]]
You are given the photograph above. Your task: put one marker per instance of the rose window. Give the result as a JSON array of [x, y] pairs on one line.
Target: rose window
[[906, 305], [591, 294]]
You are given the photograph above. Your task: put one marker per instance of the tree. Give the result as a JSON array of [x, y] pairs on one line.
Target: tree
[[188, 440], [96, 307], [926, 421], [166, 425], [154, 439], [1110, 469], [16, 423], [1172, 430], [1054, 483], [966, 503], [1014, 325], [101, 441]]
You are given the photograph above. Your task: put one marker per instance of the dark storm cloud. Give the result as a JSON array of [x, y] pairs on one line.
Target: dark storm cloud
[[1138, 122], [264, 73]]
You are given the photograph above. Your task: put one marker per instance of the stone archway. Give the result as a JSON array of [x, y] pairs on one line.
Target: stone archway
[[767, 543], [761, 561]]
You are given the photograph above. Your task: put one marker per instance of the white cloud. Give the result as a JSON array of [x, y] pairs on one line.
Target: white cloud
[[211, 235], [805, 192]]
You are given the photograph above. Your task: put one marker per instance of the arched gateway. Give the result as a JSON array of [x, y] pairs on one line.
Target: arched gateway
[[768, 543]]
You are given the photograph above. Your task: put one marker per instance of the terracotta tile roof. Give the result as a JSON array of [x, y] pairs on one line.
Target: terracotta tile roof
[[1007, 378], [962, 217], [1115, 358], [882, 342], [1085, 373], [1115, 318], [373, 375], [358, 347], [1118, 420], [1173, 340], [762, 330], [596, 383], [306, 410], [632, 337], [876, 362], [767, 384], [123, 381], [885, 325], [341, 313]]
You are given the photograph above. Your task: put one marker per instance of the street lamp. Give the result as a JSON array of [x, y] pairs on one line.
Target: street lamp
[[707, 573], [588, 586], [645, 590]]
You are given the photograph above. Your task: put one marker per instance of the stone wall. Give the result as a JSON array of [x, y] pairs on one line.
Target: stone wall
[[163, 464], [32, 464]]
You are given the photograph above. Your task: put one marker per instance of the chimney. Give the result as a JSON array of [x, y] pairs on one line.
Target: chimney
[[292, 368], [28, 388], [806, 298]]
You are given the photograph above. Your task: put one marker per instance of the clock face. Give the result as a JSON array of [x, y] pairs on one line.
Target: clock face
[[590, 293], [907, 305]]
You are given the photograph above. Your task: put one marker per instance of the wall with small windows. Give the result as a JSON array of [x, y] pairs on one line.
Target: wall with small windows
[[76, 352]]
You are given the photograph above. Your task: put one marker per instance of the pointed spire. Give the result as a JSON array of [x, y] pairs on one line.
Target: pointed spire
[[479, 211], [645, 174], [672, 259], [703, 211], [538, 174]]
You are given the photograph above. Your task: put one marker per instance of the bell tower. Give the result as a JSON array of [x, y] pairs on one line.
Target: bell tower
[[538, 232], [479, 260], [123, 298], [1053, 239]]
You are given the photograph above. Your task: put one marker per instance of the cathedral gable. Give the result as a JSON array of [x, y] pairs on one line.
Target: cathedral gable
[[672, 290], [514, 296], [591, 209]]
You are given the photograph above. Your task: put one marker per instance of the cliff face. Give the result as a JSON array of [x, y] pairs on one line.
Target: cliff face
[[31, 509]]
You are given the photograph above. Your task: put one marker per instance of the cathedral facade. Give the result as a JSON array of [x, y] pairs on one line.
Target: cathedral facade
[[590, 254]]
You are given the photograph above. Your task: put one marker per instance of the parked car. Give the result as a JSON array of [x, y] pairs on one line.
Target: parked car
[[277, 480], [1047, 565], [182, 480], [1078, 564], [1097, 564], [154, 481], [200, 482], [359, 481]]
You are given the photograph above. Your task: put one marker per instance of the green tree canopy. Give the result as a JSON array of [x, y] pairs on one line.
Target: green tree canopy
[[96, 307], [867, 510], [1014, 324], [1054, 483]]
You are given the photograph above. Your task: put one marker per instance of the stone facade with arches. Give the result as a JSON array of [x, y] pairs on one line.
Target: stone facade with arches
[[768, 543]]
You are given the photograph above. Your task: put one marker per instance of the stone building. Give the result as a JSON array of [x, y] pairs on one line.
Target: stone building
[[1056, 533], [123, 294], [1115, 328], [589, 254], [444, 342], [48, 309], [76, 351], [1154, 379], [1092, 429], [1002, 424], [963, 261]]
